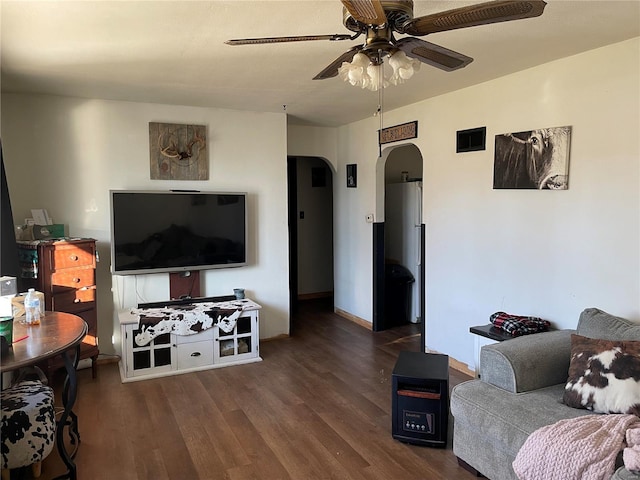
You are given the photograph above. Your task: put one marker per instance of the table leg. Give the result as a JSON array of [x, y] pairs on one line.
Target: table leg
[[69, 419]]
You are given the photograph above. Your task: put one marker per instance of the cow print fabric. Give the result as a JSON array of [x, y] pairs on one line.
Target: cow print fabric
[[28, 424], [188, 319], [604, 375]]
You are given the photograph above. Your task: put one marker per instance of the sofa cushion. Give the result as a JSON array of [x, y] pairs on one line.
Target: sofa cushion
[[595, 323], [604, 375], [503, 419]]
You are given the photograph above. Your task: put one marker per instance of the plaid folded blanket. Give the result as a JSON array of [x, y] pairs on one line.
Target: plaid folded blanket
[[516, 325]]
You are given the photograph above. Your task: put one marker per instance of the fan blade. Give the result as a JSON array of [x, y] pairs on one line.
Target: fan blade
[[331, 70], [480, 14], [433, 54], [369, 12], [304, 38]]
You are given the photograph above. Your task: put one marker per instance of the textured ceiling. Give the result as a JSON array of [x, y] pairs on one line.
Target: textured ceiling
[[172, 52]]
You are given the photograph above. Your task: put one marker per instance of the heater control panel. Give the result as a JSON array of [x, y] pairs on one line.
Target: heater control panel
[[417, 421]]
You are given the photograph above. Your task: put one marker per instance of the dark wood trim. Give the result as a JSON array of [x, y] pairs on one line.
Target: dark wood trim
[[423, 288], [378, 277], [292, 197]]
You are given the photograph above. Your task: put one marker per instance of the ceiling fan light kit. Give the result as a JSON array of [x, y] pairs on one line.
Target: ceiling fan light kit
[[364, 73], [378, 20]]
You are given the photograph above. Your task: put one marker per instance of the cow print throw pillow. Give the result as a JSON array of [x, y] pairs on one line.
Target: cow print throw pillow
[[604, 375]]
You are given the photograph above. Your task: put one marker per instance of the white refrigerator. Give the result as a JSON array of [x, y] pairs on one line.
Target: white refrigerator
[[403, 221]]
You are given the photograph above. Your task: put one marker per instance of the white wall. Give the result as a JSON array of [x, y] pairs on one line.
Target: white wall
[[65, 154], [544, 253], [313, 142], [353, 254]]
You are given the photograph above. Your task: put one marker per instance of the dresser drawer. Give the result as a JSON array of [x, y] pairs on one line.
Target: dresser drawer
[[62, 280], [74, 301], [198, 354], [73, 256], [205, 335]]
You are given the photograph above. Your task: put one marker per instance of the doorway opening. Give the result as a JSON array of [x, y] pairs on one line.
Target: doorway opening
[[399, 243], [310, 200]]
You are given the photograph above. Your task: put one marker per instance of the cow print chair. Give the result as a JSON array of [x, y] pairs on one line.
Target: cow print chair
[[28, 426]]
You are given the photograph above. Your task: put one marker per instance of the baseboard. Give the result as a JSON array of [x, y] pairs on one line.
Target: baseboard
[[355, 319], [457, 365], [461, 367], [314, 296], [277, 337], [106, 359]]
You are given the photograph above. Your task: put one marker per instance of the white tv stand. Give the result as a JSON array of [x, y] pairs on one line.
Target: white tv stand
[[172, 354]]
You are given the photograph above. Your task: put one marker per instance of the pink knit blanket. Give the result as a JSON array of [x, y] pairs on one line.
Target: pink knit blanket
[[583, 448]]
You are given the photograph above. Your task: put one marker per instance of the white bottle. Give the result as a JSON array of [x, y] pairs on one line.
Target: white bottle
[[32, 307]]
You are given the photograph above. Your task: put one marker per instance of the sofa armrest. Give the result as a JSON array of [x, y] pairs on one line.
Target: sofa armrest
[[527, 363]]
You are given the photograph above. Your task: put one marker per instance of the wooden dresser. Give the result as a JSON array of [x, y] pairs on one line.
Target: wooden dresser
[[65, 272]]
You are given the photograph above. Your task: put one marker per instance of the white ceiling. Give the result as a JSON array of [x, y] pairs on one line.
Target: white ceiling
[[172, 52]]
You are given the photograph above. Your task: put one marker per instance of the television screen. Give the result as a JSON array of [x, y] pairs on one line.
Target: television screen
[[155, 231]]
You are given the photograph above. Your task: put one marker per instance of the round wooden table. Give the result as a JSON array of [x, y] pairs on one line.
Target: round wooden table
[[58, 334]]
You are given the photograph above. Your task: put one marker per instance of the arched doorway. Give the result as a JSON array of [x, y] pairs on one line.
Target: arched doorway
[[400, 247]]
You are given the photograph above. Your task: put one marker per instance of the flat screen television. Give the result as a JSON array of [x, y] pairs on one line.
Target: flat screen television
[[174, 231]]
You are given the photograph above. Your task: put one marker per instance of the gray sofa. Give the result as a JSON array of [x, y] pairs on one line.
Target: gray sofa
[[520, 389]]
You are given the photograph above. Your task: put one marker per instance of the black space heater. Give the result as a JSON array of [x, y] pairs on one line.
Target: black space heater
[[420, 399]]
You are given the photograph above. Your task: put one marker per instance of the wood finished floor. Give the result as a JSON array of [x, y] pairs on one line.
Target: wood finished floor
[[317, 407]]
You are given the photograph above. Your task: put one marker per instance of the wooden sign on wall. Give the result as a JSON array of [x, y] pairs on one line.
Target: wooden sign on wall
[[178, 152], [398, 132]]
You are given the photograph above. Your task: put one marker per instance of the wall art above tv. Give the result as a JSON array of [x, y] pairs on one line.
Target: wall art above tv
[[178, 152]]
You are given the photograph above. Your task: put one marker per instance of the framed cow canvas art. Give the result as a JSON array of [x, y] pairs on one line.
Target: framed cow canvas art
[[535, 159]]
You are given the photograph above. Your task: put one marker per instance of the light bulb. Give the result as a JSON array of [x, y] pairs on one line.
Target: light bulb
[[403, 67], [355, 72], [360, 60], [376, 73], [355, 75]]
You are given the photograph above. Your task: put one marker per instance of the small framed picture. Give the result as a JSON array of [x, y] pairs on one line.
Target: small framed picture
[[352, 175]]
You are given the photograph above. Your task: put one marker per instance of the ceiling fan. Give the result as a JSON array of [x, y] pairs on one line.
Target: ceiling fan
[[379, 20]]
